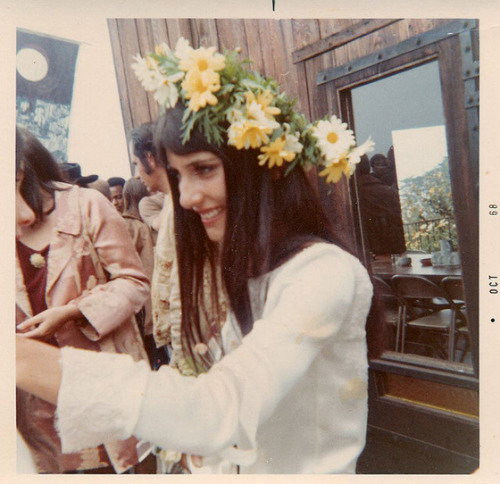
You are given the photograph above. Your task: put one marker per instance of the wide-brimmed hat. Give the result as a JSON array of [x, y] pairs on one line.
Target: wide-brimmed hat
[[73, 173]]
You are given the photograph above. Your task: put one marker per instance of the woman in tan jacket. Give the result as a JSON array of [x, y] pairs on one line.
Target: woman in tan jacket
[[79, 283]]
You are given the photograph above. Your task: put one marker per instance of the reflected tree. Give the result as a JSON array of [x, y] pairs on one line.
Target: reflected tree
[[427, 209]]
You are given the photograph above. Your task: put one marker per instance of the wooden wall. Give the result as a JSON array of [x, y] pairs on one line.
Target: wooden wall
[[292, 51]]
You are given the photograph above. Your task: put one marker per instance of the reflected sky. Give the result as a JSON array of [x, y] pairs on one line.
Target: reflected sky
[[408, 99], [419, 150]]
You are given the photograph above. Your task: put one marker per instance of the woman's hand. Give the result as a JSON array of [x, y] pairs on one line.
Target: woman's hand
[[37, 368], [46, 323]]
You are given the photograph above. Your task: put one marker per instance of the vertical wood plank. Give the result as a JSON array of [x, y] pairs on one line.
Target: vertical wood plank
[[273, 51], [317, 99], [120, 74], [295, 81], [177, 28], [231, 33], [146, 45], [463, 181], [204, 33], [254, 45], [144, 35], [305, 32], [380, 39], [138, 100], [159, 30]]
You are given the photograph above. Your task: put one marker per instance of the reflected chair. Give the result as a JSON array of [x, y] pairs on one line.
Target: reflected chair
[[431, 304], [454, 287], [392, 305], [417, 293]]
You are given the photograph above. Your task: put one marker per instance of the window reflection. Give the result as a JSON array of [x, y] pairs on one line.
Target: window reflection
[[380, 206], [425, 187], [406, 212]]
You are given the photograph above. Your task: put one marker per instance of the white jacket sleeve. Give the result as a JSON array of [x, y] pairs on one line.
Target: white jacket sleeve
[[307, 303]]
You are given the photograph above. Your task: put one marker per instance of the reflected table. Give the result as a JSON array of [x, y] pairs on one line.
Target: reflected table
[[382, 267]]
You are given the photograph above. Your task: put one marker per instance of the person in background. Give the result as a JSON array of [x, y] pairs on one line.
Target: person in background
[[282, 383], [383, 169], [72, 173], [79, 283], [101, 186], [391, 162], [381, 213], [153, 175], [116, 184], [133, 191], [150, 208]]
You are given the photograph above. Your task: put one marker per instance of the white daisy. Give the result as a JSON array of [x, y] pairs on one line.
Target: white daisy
[[355, 155], [182, 49], [334, 139], [147, 72], [167, 93], [292, 142]]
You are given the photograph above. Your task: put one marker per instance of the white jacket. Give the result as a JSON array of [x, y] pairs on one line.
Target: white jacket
[[291, 397]]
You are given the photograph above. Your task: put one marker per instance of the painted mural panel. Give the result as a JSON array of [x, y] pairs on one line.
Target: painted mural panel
[[44, 88]]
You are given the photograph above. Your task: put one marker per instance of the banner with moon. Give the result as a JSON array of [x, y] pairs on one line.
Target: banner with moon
[[44, 88]]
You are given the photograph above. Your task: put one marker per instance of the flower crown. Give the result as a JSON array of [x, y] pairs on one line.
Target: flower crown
[[228, 103]]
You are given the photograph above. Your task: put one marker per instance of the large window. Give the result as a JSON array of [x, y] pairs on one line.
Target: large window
[[416, 197], [415, 206], [407, 213]]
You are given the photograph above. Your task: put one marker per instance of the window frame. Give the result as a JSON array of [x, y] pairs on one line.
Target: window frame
[[454, 46]]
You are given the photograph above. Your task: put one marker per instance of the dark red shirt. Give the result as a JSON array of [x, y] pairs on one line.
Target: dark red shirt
[[35, 278]]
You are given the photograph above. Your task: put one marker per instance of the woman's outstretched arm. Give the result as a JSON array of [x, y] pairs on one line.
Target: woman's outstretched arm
[[38, 370]]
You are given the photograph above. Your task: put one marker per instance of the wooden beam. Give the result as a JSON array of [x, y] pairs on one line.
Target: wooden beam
[[394, 51], [345, 36]]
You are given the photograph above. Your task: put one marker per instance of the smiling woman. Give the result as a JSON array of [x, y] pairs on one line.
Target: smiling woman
[[202, 188], [271, 304]]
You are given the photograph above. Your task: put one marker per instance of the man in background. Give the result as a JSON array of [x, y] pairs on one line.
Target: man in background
[[116, 184]]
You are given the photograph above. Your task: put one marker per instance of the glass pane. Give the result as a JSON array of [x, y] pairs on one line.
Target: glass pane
[[407, 215]]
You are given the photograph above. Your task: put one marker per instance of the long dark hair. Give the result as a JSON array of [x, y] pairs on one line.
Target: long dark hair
[[270, 217], [39, 168]]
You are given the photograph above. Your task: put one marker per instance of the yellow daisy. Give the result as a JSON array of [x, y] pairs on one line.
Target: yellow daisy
[[333, 172], [199, 88], [202, 59], [248, 134], [264, 99], [275, 153], [252, 131]]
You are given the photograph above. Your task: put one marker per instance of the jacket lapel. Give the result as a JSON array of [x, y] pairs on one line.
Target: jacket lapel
[[22, 299], [62, 244]]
